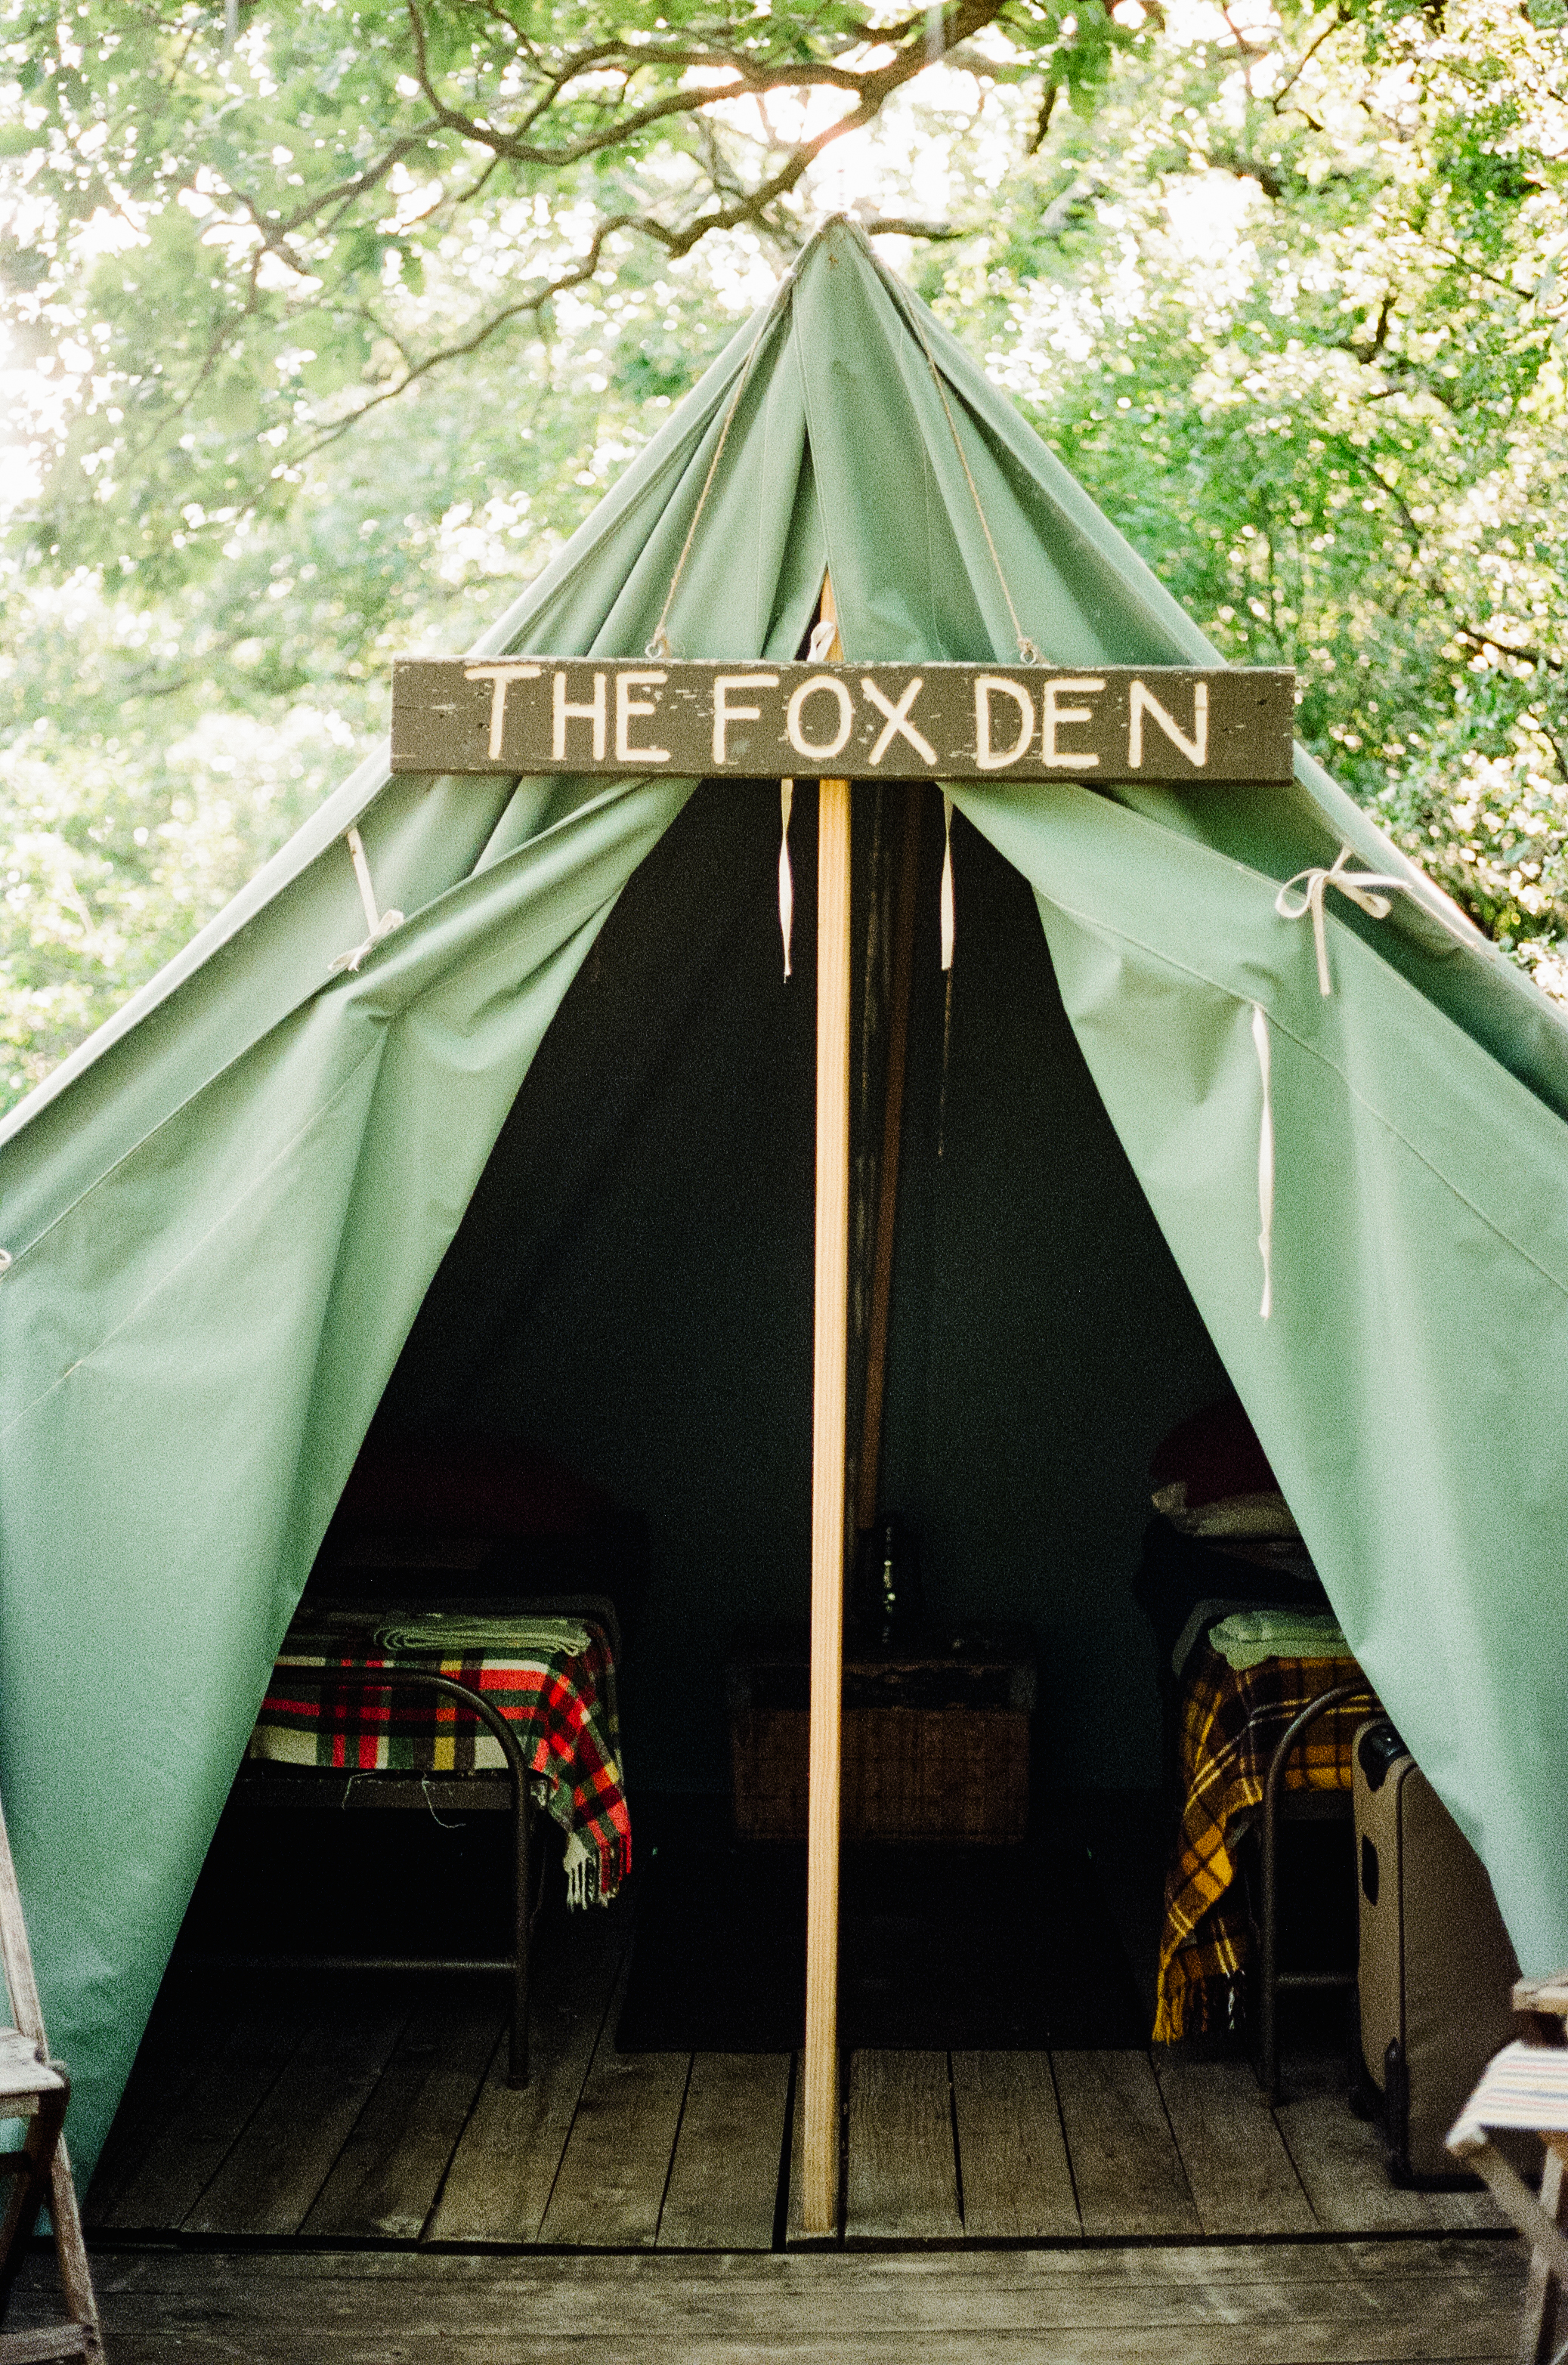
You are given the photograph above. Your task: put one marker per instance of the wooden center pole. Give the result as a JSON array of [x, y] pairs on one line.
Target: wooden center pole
[[829, 1385]]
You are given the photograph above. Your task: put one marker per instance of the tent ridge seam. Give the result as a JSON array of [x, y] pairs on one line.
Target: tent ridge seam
[[1397, 1132], [549, 583], [1421, 1157]]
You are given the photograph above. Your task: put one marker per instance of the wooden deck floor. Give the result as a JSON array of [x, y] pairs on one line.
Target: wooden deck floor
[[379, 2113], [1444, 2303]]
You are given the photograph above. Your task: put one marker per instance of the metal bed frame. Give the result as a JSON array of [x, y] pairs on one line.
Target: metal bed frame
[[1305, 1806], [463, 1793]]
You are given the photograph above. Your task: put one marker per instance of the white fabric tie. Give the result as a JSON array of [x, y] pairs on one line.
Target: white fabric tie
[[1265, 1164], [947, 912], [380, 924], [825, 632], [786, 881], [1305, 891]]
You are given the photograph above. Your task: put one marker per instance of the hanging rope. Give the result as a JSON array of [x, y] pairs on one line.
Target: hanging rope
[[947, 915], [659, 646], [786, 881], [825, 632], [1265, 1163], [380, 924]]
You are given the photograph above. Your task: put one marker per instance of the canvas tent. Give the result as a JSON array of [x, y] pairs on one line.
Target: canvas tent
[[223, 1215]]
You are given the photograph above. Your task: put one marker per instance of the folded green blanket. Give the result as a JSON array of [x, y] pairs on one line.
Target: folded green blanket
[[452, 1634], [1249, 1636], [457, 1637]]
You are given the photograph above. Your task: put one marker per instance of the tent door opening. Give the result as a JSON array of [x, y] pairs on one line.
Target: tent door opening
[[627, 1289]]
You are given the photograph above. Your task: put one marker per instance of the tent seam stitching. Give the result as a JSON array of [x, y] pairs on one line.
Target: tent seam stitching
[[343, 987], [1247, 1002]]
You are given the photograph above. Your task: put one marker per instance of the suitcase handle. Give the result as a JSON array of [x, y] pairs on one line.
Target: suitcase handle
[[1379, 1749]]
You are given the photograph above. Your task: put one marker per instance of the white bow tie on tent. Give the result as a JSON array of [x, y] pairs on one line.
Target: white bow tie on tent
[[1298, 899], [1305, 894]]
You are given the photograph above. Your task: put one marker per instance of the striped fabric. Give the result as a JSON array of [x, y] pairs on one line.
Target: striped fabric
[[1523, 2086], [562, 1698], [1231, 1722]]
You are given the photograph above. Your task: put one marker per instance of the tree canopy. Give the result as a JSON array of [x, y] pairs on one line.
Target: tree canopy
[[323, 318]]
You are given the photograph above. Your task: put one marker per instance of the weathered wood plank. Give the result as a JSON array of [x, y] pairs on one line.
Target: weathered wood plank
[[1124, 2161], [1468, 2212], [795, 2234], [188, 2026], [889, 2289], [398, 2343], [387, 2175], [503, 2171], [723, 2186], [202, 2129], [1242, 2178], [693, 719], [901, 2181], [1340, 2160], [611, 2185], [1283, 2304], [1012, 2161], [273, 2175]]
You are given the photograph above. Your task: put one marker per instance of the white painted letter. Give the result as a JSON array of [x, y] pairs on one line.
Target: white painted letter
[[1052, 715], [625, 707], [898, 720], [725, 714], [1195, 749], [818, 750], [988, 758], [500, 675], [566, 713]]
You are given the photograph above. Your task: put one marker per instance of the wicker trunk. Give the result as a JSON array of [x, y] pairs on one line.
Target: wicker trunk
[[935, 1738]]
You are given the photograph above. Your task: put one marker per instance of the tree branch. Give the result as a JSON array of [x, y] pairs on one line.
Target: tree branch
[[1477, 639], [871, 86]]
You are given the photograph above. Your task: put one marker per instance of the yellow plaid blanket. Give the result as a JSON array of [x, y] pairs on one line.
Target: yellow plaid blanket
[[1231, 1722]]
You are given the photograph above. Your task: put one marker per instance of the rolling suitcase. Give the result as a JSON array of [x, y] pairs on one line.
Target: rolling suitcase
[[1436, 1967]]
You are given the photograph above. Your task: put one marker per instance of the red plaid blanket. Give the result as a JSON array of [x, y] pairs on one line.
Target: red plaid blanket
[[1231, 1723], [560, 1690]]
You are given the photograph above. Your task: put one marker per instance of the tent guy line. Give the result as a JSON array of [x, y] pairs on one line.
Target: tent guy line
[[744, 719]]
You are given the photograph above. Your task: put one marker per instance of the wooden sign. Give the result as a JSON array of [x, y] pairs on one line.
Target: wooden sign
[[756, 721]]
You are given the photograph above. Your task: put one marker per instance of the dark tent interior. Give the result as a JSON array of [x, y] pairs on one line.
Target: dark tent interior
[[630, 1287], [629, 1294]]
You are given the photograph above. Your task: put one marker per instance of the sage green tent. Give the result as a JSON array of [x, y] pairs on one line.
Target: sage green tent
[[224, 1214]]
